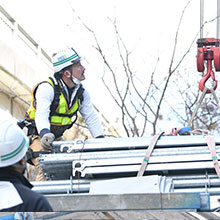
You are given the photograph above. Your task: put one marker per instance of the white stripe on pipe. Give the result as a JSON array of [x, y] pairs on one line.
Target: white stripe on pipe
[[216, 213], [198, 216]]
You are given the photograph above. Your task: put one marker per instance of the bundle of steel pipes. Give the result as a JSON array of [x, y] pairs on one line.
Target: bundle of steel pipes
[[207, 183], [122, 157], [185, 161]]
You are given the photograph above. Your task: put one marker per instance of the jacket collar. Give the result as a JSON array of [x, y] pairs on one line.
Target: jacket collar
[[13, 176]]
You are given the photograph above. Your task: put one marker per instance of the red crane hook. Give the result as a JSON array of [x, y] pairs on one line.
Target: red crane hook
[[209, 74]]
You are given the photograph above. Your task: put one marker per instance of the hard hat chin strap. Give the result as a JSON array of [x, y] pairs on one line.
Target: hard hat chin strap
[[73, 79]]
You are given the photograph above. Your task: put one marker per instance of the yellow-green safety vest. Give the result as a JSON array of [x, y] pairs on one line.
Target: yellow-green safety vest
[[62, 115]]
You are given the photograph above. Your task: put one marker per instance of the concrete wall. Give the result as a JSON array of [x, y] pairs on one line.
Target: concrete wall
[[22, 64]]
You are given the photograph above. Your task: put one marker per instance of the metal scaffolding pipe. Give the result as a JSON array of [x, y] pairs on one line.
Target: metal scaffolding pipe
[[129, 143], [200, 183], [60, 165], [201, 17]]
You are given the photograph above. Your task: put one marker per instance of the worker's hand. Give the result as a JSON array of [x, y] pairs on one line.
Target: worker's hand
[[46, 141]]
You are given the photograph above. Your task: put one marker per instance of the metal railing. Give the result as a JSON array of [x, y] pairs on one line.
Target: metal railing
[[12, 31]]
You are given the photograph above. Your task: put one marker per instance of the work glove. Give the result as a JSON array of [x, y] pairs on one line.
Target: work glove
[[47, 140]]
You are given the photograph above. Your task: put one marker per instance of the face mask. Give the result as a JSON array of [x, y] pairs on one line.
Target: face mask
[[75, 80]]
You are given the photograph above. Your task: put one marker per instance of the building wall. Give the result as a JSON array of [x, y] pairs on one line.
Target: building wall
[[22, 64]]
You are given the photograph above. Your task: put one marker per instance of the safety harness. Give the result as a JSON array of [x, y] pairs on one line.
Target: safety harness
[[55, 103], [29, 123], [55, 113]]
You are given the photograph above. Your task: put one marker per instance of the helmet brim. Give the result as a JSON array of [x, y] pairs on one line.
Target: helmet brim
[[76, 60]]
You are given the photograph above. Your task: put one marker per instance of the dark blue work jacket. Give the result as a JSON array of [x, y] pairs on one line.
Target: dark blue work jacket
[[32, 201]]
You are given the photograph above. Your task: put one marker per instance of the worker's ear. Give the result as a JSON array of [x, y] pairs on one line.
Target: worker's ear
[[22, 161], [20, 166], [67, 74]]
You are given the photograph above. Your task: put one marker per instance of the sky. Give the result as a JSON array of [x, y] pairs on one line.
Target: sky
[[53, 24], [146, 26]]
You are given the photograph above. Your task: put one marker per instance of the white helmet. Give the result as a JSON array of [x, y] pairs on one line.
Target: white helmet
[[13, 143], [64, 59]]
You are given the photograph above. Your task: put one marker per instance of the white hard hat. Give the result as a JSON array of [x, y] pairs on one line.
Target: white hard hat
[[13, 143], [64, 59]]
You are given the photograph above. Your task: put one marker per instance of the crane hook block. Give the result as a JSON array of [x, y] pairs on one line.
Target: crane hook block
[[208, 49]]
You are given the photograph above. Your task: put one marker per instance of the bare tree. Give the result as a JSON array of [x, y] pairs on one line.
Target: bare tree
[[189, 95], [141, 105]]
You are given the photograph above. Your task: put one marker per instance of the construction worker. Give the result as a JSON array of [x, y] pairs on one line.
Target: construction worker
[[15, 189], [56, 102]]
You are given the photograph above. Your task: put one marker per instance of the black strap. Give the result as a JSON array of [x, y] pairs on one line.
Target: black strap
[[56, 99], [29, 124], [55, 102], [30, 154], [79, 94]]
